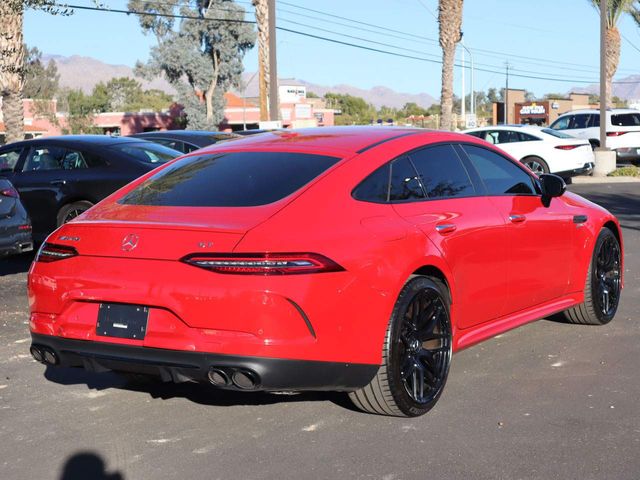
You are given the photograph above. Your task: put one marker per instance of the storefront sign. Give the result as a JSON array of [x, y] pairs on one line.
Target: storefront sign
[[532, 110]]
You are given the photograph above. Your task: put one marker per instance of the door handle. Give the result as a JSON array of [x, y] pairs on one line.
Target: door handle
[[445, 228], [517, 218], [580, 219], [58, 182]]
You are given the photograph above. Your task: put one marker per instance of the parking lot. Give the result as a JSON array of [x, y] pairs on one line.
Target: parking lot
[[549, 400]]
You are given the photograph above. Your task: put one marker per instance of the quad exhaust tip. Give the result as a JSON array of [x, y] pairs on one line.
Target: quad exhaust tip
[[44, 355], [241, 378]]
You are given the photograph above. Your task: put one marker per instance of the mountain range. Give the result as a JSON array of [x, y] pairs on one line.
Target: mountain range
[[85, 72]]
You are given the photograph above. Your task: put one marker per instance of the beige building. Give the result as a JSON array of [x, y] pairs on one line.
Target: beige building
[[538, 112]]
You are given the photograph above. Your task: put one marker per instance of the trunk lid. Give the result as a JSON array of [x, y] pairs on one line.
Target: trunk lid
[[160, 233]]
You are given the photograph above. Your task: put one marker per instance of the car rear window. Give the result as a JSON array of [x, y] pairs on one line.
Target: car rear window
[[555, 133], [626, 119], [234, 179], [147, 152]]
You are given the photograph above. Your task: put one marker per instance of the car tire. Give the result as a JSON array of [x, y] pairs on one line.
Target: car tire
[[603, 283], [72, 210], [420, 317], [536, 164]]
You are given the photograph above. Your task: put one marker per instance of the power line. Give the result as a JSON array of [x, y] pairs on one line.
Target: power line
[[331, 40]]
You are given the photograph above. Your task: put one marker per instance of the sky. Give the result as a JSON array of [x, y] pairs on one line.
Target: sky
[[555, 39]]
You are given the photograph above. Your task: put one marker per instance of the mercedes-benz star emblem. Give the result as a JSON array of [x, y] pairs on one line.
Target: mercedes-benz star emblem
[[129, 242]]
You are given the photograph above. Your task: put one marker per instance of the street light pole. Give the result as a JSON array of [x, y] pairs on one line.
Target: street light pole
[[603, 75], [472, 101]]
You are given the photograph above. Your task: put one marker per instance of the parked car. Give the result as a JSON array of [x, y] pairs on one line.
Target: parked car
[[15, 226], [623, 130], [349, 259], [60, 177], [256, 131], [541, 149], [185, 141]]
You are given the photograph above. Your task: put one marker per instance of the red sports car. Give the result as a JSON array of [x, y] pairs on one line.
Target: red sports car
[[349, 259]]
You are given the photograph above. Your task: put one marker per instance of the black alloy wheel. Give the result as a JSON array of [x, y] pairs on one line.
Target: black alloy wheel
[[603, 284], [607, 277], [416, 353], [72, 210], [424, 347]]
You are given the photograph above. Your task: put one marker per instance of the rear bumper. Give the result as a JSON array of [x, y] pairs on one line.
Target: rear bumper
[[584, 170], [16, 243], [270, 374], [627, 155]]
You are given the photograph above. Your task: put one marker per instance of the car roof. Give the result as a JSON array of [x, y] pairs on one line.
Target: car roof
[[518, 126], [345, 139], [595, 110], [179, 133], [98, 140]]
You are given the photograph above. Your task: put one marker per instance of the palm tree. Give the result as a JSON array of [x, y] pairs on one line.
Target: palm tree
[[262, 19], [12, 68], [450, 21], [615, 9]]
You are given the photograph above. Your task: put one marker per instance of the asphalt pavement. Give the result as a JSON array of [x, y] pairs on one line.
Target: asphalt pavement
[[546, 401]]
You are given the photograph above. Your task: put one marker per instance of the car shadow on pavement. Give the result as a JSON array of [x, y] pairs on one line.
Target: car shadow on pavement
[[85, 466], [202, 394], [16, 264]]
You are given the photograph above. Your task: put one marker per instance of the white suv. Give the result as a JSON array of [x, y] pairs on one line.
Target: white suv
[[623, 130]]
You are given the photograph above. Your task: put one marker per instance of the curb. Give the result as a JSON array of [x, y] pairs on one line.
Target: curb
[[581, 180]]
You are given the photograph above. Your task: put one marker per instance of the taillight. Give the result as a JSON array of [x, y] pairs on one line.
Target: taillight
[[263, 263], [567, 147], [615, 134], [9, 192], [50, 252], [24, 228]]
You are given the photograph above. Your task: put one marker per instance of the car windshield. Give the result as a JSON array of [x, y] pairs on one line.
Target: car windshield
[[147, 152], [555, 133], [235, 179]]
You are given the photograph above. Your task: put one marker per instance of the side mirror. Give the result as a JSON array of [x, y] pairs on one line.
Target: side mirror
[[552, 185]]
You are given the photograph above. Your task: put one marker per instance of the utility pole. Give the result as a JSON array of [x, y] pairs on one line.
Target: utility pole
[[274, 104], [262, 20], [506, 99]]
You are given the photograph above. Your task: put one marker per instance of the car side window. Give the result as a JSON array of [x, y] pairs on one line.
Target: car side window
[[525, 137], [175, 144], [374, 188], [405, 184], [594, 121], [442, 173], [73, 160], [579, 121], [9, 159], [476, 134], [499, 175], [44, 158], [507, 136], [561, 123]]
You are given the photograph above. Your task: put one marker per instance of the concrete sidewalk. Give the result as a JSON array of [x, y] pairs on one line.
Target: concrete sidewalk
[[585, 179]]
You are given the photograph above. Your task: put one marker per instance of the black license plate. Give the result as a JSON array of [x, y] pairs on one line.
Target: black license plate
[[122, 321]]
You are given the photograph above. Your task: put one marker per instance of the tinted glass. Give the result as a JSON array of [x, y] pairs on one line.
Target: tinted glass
[[525, 137], [499, 175], [626, 119], [238, 179], [73, 160], [405, 185], [476, 134], [555, 133], [580, 121], [562, 123], [374, 188], [147, 152], [442, 173], [594, 121], [44, 158], [9, 159], [173, 144]]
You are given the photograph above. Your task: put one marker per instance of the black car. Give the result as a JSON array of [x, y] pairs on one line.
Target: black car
[[60, 177], [185, 141], [15, 226]]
